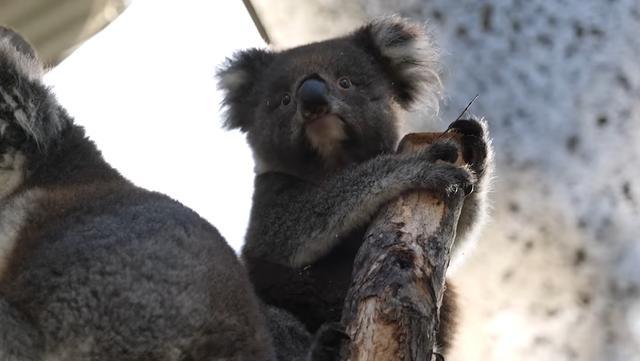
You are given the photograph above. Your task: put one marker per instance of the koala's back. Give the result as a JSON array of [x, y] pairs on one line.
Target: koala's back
[[113, 272]]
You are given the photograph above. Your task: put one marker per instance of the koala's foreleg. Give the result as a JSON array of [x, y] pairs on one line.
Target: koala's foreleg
[[478, 153], [301, 222]]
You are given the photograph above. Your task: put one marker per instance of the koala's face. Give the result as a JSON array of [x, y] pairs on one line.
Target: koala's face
[[329, 103], [327, 100]]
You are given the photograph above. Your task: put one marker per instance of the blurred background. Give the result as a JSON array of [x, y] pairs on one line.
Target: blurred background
[[555, 275]]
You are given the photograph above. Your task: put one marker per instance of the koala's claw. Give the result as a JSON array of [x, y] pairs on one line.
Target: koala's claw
[[474, 143], [474, 152], [446, 179], [468, 127], [445, 151], [468, 188]]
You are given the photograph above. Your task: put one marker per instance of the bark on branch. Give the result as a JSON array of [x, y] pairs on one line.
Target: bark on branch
[[392, 308]]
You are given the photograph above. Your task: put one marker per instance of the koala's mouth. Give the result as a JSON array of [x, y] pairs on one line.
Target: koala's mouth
[[326, 133]]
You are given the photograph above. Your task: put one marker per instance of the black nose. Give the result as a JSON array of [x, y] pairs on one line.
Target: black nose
[[312, 95]]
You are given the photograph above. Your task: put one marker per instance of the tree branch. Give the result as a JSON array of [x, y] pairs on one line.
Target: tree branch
[[392, 308]]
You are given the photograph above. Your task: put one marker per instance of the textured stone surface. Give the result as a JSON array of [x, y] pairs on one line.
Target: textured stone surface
[[556, 275]]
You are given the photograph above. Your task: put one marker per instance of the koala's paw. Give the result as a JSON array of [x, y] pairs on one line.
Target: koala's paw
[[436, 173], [328, 342], [446, 151], [476, 144], [453, 178]]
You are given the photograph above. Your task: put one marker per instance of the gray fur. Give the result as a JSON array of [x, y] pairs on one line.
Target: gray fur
[[32, 108], [410, 50], [337, 206], [95, 268], [310, 206], [290, 338]]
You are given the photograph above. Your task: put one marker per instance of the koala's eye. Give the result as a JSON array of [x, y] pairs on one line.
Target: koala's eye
[[344, 83], [286, 99]]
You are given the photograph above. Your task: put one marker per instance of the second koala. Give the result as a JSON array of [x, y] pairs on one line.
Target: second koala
[[323, 123], [93, 268]]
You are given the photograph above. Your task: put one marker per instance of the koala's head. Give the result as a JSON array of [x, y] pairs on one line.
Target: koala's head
[[333, 102], [28, 111]]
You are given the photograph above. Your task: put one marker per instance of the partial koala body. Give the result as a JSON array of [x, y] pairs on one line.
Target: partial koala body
[[323, 123], [95, 268]]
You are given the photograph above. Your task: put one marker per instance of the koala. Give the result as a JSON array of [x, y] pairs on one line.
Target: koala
[[93, 267], [323, 122]]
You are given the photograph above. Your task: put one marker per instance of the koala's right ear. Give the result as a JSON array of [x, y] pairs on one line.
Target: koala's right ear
[[408, 55], [20, 53], [237, 79]]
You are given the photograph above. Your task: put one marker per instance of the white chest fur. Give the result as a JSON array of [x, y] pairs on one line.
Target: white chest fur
[[14, 213]]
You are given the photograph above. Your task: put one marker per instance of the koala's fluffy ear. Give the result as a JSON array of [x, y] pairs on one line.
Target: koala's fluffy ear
[[15, 47], [237, 79], [408, 54]]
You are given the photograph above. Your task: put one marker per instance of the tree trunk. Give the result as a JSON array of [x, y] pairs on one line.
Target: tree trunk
[[392, 308]]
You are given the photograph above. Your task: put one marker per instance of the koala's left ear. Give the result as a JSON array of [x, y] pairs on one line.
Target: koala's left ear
[[19, 49], [408, 55], [237, 79]]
